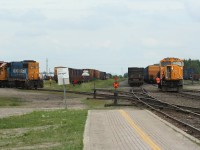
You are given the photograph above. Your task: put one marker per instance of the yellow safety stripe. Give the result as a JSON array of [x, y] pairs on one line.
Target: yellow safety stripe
[[142, 134]]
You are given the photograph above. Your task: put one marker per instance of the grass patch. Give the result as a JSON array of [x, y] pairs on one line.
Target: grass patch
[[84, 87], [11, 101], [61, 129], [96, 104]]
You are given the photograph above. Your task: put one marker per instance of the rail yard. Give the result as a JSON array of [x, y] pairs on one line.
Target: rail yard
[[179, 109], [100, 75], [138, 109]]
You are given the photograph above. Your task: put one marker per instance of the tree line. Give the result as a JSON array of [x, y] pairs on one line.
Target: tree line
[[192, 64]]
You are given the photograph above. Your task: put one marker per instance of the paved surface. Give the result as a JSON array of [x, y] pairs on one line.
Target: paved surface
[[133, 130]]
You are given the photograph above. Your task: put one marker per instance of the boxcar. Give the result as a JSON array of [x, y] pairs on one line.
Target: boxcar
[[75, 75], [108, 75], [91, 76], [102, 75], [135, 76], [97, 74], [150, 73]]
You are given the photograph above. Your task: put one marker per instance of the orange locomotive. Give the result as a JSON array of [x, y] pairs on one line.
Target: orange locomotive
[[3, 74], [171, 74]]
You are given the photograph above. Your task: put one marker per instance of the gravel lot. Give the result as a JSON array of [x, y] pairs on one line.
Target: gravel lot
[[172, 98], [35, 100]]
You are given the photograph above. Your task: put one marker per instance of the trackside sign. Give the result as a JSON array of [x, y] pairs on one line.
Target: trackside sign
[[63, 76]]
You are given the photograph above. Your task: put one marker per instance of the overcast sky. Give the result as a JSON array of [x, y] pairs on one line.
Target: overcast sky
[[108, 35]]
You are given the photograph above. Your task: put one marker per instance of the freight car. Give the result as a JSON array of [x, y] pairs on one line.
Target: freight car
[[75, 75], [187, 73], [91, 76], [195, 77], [94, 74], [171, 74], [102, 75], [150, 73], [24, 74], [108, 75], [135, 76]]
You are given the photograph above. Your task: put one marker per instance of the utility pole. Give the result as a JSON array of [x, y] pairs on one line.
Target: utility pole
[[47, 67]]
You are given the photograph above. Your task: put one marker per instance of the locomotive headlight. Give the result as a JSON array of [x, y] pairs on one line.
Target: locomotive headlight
[[172, 68]]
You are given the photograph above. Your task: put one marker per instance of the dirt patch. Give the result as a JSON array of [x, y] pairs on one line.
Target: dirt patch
[[40, 146], [35, 100], [17, 132]]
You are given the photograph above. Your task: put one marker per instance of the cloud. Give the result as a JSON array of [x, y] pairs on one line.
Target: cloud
[[21, 16], [193, 9], [150, 42], [156, 6]]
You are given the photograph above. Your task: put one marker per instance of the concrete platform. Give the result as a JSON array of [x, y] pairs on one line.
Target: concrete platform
[[133, 130]]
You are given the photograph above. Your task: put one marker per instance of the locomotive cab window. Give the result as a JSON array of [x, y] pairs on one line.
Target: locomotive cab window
[[165, 63], [178, 63]]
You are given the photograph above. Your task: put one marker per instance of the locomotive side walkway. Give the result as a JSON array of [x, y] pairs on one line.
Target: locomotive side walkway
[[133, 129]]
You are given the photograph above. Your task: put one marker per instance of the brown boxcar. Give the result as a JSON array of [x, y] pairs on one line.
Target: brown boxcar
[[97, 74], [75, 75], [102, 75], [91, 76]]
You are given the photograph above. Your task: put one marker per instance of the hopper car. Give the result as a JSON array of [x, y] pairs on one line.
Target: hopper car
[[23, 74], [171, 74], [135, 76]]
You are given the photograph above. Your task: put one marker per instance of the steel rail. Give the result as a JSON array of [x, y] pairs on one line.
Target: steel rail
[[192, 128]]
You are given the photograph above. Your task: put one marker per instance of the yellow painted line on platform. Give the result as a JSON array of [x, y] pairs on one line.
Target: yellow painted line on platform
[[142, 134]]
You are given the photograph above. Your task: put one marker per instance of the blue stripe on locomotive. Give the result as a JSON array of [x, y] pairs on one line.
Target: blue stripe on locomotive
[[17, 71]]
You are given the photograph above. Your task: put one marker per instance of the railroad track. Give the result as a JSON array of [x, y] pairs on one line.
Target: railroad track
[[186, 117], [191, 95]]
